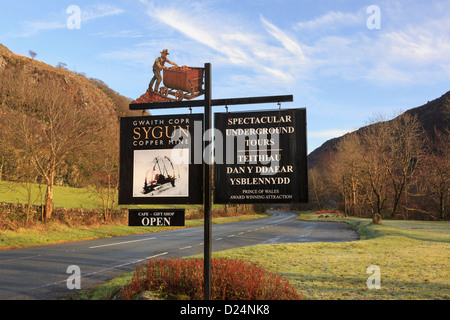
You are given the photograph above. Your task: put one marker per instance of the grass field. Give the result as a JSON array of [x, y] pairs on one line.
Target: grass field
[[413, 257], [15, 192], [64, 197]]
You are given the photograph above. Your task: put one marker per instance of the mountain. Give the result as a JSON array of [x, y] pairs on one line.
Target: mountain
[[432, 115]]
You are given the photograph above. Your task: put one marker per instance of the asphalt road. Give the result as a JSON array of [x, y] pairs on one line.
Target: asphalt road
[[41, 273]]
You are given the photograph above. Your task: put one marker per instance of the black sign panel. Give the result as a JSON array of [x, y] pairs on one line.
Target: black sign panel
[[157, 161], [262, 158], [156, 217]]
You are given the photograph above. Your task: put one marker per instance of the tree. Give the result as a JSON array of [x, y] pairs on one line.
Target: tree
[[348, 173], [32, 54], [392, 153], [62, 65], [316, 187], [105, 168], [404, 154], [46, 121], [437, 173], [375, 140]]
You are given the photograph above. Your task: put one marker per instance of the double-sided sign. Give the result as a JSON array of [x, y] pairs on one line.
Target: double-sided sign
[[259, 157]]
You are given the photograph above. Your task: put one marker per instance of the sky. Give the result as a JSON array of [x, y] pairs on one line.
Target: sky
[[345, 61]]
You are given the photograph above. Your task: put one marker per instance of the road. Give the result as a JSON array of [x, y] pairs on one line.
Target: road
[[41, 273]]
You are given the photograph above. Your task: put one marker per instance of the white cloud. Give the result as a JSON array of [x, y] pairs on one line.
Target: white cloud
[[331, 20], [413, 51], [291, 45], [58, 21], [32, 28], [119, 34], [99, 11], [234, 41], [408, 48]]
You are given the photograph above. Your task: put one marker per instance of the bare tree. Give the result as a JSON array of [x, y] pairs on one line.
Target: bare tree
[[392, 153], [32, 54], [105, 168], [374, 142], [316, 187], [349, 173], [47, 123], [437, 173], [404, 154], [62, 65]]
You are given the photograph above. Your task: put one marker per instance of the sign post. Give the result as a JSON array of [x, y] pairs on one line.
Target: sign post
[[126, 195], [207, 185]]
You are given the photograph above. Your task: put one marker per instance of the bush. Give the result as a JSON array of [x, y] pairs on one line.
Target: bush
[[231, 280]]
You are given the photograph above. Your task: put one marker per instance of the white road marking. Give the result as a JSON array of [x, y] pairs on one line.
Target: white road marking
[[103, 270], [21, 258], [151, 257], [123, 242]]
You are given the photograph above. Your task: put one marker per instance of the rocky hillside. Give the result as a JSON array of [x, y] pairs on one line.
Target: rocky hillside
[[94, 93], [433, 115]]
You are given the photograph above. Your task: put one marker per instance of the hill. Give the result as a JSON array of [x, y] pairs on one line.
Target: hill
[[432, 115], [95, 93], [58, 127]]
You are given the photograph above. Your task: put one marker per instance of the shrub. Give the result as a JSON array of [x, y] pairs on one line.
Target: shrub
[[231, 280]]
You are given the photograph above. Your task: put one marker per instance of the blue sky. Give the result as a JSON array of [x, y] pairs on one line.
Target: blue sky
[[345, 61]]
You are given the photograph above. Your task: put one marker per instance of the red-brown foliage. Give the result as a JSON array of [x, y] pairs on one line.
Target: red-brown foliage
[[231, 280]]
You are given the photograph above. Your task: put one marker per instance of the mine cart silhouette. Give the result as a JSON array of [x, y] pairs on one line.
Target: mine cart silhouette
[[160, 175], [182, 82]]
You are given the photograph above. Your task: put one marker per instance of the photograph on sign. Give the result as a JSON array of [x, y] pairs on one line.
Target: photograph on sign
[[262, 158], [163, 173], [156, 160]]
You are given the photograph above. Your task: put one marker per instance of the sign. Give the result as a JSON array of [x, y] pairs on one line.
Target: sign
[[157, 160], [263, 157], [156, 217]]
